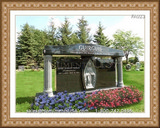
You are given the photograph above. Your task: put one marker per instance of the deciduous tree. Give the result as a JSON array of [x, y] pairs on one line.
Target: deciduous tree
[[128, 42]]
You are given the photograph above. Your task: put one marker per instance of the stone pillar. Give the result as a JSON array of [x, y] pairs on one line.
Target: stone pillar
[[48, 75], [116, 71], [120, 72]]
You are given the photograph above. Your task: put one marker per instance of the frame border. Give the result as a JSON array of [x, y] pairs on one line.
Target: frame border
[[152, 6]]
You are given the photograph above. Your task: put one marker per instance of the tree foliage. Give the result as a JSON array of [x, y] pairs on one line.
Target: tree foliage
[[100, 38], [83, 32], [128, 42]]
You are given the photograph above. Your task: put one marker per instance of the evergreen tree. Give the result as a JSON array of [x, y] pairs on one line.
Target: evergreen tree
[[65, 32], [25, 49], [52, 34], [30, 45], [75, 39], [83, 32], [100, 38]]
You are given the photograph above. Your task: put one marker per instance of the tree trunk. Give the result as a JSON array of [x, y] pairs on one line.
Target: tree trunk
[[126, 59]]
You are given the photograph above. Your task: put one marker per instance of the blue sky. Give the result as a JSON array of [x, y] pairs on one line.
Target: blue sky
[[42, 22]]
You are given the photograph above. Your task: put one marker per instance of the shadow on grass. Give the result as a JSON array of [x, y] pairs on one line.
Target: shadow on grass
[[21, 100]]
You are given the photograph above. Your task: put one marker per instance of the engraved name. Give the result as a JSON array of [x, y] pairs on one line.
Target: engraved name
[[90, 48]]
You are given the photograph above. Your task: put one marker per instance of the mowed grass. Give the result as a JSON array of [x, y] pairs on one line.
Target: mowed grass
[[28, 83]]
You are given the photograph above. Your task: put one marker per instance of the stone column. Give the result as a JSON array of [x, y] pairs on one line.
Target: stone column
[[120, 72], [116, 71], [48, 75]]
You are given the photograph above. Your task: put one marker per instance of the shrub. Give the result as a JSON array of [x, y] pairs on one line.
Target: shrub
[[142, 63], [131, 59], [141, 69], [136, 59]]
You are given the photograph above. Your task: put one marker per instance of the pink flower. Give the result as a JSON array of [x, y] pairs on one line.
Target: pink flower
[[140, 98], [135, 100]]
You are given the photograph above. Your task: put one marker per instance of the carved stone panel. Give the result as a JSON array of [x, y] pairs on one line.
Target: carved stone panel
[[89, 75]]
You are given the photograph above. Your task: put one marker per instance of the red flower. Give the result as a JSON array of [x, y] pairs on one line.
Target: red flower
[[135, 100], [112, 104], [140, 98], [92, 104]]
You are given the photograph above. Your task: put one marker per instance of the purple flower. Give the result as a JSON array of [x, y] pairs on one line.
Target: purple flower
[[40, 96], [82, 97], [79, 107], [65, 91], [50, 107], [36, 104], [83, 108], [43, 101], [52, 102], [50, 98], [67, 101], [60, 106], [80, 103], [91, 108], [72, 100], [77, 98], [70, 104], [67, 98], [41, 107], [47, 105], [70, 107], [65, 105], [37, 99], [48, 101], [56, 108], [70, 95], [76, 105]]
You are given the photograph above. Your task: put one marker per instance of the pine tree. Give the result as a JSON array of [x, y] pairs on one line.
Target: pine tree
[[83, 32], [65, 32], [25, 46], [52, 34], [100, 38], [30, 45]]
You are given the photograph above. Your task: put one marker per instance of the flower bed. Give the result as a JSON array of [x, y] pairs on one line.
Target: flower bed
[[81, 101]]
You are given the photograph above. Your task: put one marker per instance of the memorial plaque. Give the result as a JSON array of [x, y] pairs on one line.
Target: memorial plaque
[[106, 73], [69, 75]]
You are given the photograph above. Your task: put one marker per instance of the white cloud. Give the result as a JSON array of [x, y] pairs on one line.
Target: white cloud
[[55, 20], [127, 24]]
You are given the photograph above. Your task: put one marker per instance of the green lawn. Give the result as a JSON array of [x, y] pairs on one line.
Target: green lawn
[[28, 83]]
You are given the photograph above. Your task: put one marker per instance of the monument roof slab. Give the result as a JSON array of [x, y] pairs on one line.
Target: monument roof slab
[[83, 50]]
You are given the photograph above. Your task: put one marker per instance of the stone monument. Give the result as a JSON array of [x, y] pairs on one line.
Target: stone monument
[[138, 65], [97, 67], [21, 68]]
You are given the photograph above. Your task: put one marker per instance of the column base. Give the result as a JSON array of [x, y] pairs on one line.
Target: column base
[[120, 85], [49, 92]]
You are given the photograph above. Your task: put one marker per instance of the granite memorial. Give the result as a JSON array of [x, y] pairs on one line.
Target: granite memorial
[[97, 67], [138, 65]]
